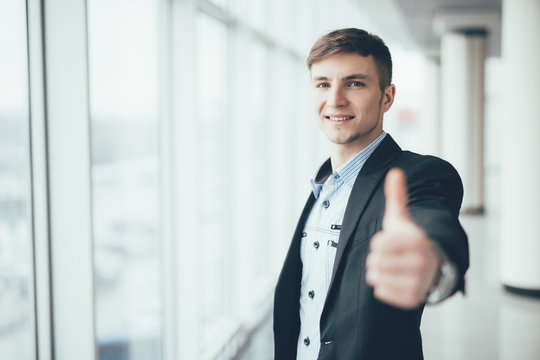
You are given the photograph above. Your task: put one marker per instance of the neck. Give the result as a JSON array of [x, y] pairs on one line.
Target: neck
[[341, 153]]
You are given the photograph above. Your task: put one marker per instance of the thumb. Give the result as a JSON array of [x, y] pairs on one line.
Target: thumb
[[395, 192]]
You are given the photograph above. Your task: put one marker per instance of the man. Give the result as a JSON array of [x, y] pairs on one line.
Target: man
[[379, 235]]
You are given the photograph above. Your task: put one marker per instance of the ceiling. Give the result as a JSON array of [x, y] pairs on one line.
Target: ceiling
[[425, 20]]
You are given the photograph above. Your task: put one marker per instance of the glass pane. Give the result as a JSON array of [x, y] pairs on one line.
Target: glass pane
[[256, 187], [212, 156], [16, 304], [285, 22], [122, 37], [252, 135], [257, 13]]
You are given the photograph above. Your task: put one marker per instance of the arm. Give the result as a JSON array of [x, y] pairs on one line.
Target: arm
[[420, 232]]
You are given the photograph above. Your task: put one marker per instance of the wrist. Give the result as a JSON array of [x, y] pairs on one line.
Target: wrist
[[444, 282]]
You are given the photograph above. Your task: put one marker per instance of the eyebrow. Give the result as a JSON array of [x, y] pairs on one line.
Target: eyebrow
[[349, 77]]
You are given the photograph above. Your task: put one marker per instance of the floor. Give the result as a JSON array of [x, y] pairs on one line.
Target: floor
[[488, 323]]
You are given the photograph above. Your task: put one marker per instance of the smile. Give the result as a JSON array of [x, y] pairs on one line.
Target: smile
[[339, 118]]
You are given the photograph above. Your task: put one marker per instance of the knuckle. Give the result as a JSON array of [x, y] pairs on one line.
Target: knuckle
[[372, 276], [375, 260], [416, 284], [413, 300], [378, 241]]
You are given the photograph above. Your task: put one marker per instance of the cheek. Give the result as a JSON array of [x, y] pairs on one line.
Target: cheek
[[318, 102], [372, 104]]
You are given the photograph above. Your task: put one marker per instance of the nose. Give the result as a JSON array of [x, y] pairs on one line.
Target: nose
[[336, 97]]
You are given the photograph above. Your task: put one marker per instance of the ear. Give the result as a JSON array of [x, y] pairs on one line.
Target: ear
[[388, 97]]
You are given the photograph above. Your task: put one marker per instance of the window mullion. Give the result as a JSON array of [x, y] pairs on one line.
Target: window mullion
[[42, 266], [68, 139]]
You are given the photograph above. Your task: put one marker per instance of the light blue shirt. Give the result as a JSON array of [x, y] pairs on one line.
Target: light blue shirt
[[319, 245]]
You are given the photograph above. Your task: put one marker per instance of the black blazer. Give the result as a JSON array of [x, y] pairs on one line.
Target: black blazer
[[354, 324]]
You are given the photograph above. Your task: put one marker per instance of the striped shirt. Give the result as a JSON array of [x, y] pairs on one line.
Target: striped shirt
[[319, 244]]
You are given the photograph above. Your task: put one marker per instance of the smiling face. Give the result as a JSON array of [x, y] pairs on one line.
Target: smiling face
[[348, 100]]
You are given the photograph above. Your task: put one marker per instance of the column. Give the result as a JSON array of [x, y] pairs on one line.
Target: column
[[462, 105], [432, 122], [520, 212]]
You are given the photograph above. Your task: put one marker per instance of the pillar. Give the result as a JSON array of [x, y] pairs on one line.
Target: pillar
[[520, 209], [462, 105], [432, 107]]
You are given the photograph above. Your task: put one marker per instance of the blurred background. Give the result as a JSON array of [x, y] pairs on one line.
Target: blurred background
[[155, 156]]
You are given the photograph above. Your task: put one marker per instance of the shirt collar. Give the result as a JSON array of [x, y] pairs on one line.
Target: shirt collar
[[348, 171]]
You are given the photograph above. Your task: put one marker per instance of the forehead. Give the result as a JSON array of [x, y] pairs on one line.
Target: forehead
[[343, 65]]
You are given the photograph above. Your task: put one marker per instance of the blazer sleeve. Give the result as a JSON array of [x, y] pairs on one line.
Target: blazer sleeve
[[435, 196]]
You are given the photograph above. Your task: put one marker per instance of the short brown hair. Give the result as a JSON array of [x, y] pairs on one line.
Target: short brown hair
[[352, 40]]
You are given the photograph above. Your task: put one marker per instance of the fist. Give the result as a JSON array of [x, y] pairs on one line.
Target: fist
[[402, 264]]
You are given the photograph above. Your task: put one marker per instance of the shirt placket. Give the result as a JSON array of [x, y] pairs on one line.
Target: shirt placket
[[320, 254]]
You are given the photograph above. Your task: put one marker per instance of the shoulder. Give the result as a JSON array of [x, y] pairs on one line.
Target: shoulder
[[424, 165], [431, 180]]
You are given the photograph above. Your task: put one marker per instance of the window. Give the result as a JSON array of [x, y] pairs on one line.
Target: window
[[212, 157], [252, 132], [125, 177], [16, 263], [167, 161]]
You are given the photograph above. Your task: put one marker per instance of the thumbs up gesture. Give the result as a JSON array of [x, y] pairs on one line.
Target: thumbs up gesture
[[402, 264]]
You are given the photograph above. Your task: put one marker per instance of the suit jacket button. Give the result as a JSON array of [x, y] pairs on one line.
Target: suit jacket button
[[306, 341]]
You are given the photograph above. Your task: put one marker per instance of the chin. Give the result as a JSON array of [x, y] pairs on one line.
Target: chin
[[340, 141]]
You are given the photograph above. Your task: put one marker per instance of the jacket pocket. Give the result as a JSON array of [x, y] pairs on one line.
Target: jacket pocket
[[364, 232]]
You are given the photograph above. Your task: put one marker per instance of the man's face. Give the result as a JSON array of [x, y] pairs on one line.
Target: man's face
[[348, 100]]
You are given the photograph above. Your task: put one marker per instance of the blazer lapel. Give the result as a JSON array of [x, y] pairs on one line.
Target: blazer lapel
[[371, 174]]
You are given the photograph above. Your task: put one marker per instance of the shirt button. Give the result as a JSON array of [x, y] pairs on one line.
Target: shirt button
[[316, 244], [311, 294], [304, 234], [306, 341], [326, 204]]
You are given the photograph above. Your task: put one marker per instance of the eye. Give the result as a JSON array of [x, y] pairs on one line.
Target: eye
[[356, 84], [322, 85]]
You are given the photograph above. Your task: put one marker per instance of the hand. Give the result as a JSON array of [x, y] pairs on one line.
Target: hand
[[402, 264]]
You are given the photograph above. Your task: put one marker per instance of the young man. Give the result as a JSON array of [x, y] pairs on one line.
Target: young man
[[379, 235]]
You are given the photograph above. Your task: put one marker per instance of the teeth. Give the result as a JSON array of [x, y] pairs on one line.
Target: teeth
[[341, 118]]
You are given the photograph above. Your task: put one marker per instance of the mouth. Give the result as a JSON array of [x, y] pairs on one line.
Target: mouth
[[338, 118]]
